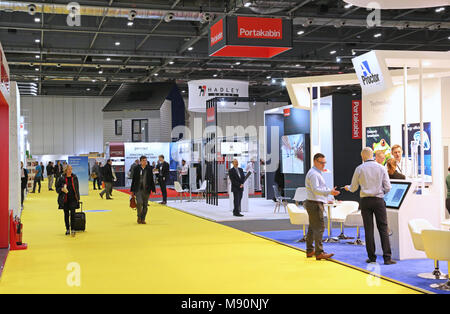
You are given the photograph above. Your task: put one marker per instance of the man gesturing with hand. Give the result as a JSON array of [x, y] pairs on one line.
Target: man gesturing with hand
[[317, 194]]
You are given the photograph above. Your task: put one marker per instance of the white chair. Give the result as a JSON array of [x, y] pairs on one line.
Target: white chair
[[300, 195], [201, 191], [437, 247], [355, 220], [279, 200], [416, 227], [180, 190], [298, 216], [340, 213]]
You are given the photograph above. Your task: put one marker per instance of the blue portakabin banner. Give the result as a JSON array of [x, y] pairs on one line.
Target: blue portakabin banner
[[80, 167]]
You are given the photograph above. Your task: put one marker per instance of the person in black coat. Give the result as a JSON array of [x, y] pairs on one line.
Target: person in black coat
[[237, 179], [163, 176], [23, 182], [68, 191], [142, 186], [108, 178]]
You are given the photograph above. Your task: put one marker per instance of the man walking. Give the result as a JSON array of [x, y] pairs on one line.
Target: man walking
[[37, 178], [50, 175], [108, 178], [237, 179], [163, 176], [142, 186], [317, 194], [374, 182], [95, 173]]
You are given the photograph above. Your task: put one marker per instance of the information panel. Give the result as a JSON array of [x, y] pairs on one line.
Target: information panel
[[80, 167]]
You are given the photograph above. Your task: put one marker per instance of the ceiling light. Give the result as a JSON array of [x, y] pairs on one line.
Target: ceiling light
[[247, 4], [215, 75], [93, 81], [38, 56], [339, 87], [237, 63], [88, 89], [268, 77], [377, 35], [297, 65], [156, 74], [108, 59], [36, 79], [300, 32], [117, 43], [184, 91], [171, 62], [222, 103], [283, 83], [274, 81], [441, 9], [100, 72], [191, 48], [354, 94], [348, 6], [338, 59], [36, 69], [130, 23], [332, 52], [37, 19], [37, 41]]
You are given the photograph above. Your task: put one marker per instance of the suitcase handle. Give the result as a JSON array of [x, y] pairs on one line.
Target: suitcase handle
[[81, 206]]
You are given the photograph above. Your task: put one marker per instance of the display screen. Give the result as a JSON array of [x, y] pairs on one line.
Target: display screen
[[232, 148], [293, 153], [396, 195]]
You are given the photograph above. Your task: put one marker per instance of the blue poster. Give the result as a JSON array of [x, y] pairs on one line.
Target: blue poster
[[80, 167], [414, 135]]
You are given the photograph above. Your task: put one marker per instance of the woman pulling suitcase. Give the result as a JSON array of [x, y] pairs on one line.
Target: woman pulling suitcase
[[68, 197]]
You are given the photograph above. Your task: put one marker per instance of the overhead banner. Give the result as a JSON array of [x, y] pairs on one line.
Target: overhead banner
[[202, 90], [372, 73], [80, 167], [251, 37]]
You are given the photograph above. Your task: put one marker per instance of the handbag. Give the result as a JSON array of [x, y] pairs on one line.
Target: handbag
[[94, 175], [133, 202]]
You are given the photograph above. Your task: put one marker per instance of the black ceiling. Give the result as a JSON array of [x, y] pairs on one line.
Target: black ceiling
[[85, 60]]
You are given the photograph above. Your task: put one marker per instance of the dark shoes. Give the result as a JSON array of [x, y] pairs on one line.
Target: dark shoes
[[238, 215], [101, 195], [390, 262], [310, 254], [67, 232], [163, 203], [371, 261], [324, 256]]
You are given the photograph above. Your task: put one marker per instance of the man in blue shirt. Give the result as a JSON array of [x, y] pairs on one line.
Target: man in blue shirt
[[374, 182], [317, 194], [37, 178]]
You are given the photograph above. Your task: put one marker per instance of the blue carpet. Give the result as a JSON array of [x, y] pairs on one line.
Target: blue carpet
[[404, 271]]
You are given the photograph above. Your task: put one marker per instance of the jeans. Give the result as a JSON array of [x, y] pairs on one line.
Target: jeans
[[37, 181]]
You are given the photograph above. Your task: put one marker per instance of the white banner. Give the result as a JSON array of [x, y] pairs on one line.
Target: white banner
[[202, 90], [373, 75], [134, 151]]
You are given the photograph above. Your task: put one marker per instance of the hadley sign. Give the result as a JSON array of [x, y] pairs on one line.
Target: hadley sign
[[373, 75], [253, 37], [202, 90]]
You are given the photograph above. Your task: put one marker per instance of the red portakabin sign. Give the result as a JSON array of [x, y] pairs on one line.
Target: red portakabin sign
[[216, 32], [210, 115], [258, 27], [356, 119]]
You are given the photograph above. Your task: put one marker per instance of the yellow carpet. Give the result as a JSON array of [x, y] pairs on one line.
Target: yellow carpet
[[174, 253]]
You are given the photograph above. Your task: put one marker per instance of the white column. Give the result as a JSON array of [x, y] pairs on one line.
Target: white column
[[422, 151], [405, 120], [318, 119], [14, 160]]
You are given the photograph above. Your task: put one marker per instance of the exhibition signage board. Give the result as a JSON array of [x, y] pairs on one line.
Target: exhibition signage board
[[372, 73], [356, 119], [250, 37], [116, 149], [414, 136], [202, 90], [379, 138], [133, 151], [80, 167]]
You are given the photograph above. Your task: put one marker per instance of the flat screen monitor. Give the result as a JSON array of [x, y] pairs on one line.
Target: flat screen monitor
[[233, 148], [293, 153], [397, 194]]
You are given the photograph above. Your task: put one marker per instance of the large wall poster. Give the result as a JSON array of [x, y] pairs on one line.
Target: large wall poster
[[379, 138], [134, 151], [293, 153], [80, 167], [414, 135]]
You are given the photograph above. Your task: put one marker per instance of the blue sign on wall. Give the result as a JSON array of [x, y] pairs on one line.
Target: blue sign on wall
[[80, 167]]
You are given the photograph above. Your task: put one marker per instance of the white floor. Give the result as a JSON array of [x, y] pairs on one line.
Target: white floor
[[259, 208]]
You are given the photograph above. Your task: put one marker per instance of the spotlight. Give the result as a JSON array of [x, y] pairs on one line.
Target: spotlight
[[332, 52], [191, 48], [300, 32], [31, 9], [37, 41], [117, 43], [37, 19], [247, 4], [377, 35], [168, 17], [307, 22], [132, 15], [108, 59], [130, 23], [171, 62], [338, 59], [206, 17], [274, 81]]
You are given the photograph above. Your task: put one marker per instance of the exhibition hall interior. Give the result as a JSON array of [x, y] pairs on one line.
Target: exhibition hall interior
[[207, 148]]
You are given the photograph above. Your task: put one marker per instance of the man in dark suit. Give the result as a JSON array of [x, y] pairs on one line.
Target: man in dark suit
[[108, 178], [142, 186], [237, 179], [163, 176]]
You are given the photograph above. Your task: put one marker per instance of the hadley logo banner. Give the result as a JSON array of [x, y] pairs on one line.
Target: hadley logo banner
[[202, 90], [373, 75]]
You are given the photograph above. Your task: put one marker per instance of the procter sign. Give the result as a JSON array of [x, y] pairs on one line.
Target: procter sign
[[372, 73], [253, 37]]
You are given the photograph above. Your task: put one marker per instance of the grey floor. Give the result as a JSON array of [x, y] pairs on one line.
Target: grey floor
[[261, 225]]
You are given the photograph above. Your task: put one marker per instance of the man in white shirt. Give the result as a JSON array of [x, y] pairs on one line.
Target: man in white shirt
[[403, 166]]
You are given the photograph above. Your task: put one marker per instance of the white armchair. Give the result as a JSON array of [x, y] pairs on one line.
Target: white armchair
[[437, 247], [298, 217], [340, 213]]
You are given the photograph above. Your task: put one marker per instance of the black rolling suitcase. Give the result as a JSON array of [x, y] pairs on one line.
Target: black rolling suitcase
[[80, 220]]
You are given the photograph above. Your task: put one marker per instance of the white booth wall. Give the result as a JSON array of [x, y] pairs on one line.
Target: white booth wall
[[386, 108], [60, 125], [14, 151]]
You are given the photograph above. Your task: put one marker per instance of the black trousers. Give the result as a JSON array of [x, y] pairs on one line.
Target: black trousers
[[37, 181], [22, 195], [314, 238], [371, 206], [69, 218], [185, 181], [162, 184], [237, 198], [97, 181]]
